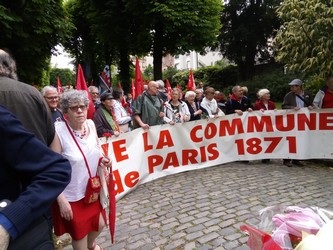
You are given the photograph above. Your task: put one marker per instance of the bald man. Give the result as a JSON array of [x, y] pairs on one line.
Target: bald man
[[148, 108]]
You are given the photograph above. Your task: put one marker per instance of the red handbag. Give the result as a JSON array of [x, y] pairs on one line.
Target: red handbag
[[93, 190]]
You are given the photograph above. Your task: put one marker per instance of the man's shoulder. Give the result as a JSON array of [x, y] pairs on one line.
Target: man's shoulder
[[11, 84], [289, 94]]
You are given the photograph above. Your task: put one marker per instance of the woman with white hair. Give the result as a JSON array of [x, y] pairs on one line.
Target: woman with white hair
[[264, 102], [175, 110], [193, 105]]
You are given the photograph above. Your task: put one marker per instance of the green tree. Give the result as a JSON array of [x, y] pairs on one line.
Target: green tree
[[178, 26], [148, 73], [246, 28], [66, 77], [83, 44], [304, 43], [30, 30], [169, 73], [106, 33]]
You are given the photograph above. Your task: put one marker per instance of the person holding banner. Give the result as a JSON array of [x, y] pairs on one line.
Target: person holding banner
[[104, 117], [176, 111], [296, 99], [120, 114], [148, 108], [264, 102], [209, 104], [324, 97], [238, 103], [193, 106], [78, 210]]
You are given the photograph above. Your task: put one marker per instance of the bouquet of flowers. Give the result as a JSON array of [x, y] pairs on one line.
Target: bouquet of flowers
[[288, 228]]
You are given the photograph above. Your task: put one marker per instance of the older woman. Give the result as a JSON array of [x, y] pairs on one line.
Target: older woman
[[193, 106], [77, 141], [104, 117], [175, 110], [264, 102]]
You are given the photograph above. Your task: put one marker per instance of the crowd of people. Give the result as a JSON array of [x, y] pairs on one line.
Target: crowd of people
[[63, 155]]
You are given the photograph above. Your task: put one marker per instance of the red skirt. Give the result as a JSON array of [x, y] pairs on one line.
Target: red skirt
[[85, 219]]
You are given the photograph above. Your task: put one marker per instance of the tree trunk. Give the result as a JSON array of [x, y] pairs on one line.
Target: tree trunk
[[158, 51], [124, 68]]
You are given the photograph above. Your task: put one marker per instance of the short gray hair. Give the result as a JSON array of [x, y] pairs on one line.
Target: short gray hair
[[235, 88], [48, 88], [189, 93], [7, 65], [71, 97], [92, 88], [160, 83]]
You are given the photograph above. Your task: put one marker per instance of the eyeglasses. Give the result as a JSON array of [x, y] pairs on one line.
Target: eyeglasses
[[51, 97], [76, 108], [94, 93]]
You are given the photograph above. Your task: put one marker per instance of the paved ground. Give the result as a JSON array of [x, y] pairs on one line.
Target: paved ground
[[203, 209]]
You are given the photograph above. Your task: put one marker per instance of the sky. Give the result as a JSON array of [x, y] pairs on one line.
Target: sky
[[62, 60]]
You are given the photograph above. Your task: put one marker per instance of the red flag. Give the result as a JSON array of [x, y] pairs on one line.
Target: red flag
[[112, 207], [119, 86], [191, 83], [82, 85], [106, 75], [139, 88], [168, 87], [133, 90], [59, 87]]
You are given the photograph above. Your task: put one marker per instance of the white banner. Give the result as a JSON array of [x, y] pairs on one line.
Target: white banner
[[141, 155]]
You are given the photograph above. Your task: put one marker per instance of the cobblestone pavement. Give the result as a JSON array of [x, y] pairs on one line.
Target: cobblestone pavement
[[203, 209]]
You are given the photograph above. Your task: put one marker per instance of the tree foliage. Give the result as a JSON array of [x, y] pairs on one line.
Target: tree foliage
[[66, 77], [138, 27], [304, 42], [247, 26], [180, 26], [30, 30]]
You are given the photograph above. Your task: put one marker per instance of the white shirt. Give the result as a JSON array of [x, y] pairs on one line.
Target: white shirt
[[120, 113], [211, 107], [76, 189]]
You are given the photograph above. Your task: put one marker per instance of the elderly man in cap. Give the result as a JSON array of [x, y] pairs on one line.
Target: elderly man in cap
[[296, 99]]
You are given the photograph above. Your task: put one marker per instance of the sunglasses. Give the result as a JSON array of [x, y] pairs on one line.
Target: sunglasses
[[76, 108]]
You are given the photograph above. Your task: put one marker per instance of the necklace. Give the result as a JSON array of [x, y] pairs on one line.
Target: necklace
[[80, 135]]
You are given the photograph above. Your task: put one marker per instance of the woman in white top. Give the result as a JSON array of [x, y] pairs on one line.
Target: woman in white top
[[123, 118], [70, 214], [175, 110], [210, 104]]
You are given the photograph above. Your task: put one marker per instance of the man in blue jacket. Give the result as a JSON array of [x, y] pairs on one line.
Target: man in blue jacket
[[31, 178]]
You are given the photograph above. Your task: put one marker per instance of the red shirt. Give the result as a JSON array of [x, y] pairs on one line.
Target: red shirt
[[328, 100], [260, 105]]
